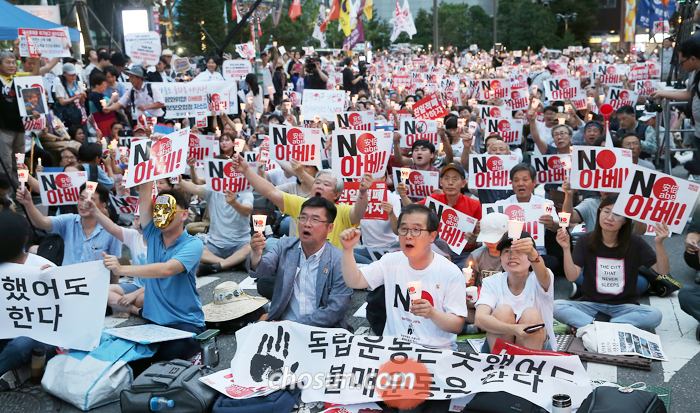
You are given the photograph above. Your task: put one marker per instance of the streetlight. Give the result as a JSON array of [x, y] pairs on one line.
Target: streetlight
[[264, 7], [566, 18]]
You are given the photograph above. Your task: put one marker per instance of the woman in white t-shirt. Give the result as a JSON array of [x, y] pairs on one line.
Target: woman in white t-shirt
[[520, 297], [211, 74]]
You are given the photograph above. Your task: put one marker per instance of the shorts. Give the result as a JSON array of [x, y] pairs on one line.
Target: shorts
[[546, 346], [224, 252], [128, 287]]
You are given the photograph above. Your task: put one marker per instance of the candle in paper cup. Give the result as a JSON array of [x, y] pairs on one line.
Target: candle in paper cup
[[115, 143], [270, 90], [535, 103], [317, 118], [440, 147], [325, 129], [547, 208], [104, 102], [90, 187], [238, 127], [602, 98], [238, 145], [472, 294], [122, 151], [415, 290], [266, 102], [468, 273], [560, 109], [126, 172], [115, 95], [274, 44], [264, 156], [259, 222], [472, 127], [564, 218], [19, 157], [515, 228], [405, 172], [257, 116], [154, 120], [104, 143], [566, 108], [242, 105], [22, 176], [301, 119], [178, 126], [561, 120]]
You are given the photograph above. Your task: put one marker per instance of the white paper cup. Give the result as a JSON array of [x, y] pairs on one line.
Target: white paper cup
[[468, 274], [472, 127], [22, 175], [564, 218], [472, 294], [405, 172], [264, 156], [238, 127], [547, 208], [415, 290], [259, 222], [238, 145], [515, 228], [19, 157], [90, 187]]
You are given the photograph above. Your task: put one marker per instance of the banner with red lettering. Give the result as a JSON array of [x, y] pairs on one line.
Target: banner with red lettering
[[529, 213], [561, 89], [363, 120], [420, 183], [401, 82], [355, 153], [511, 130], [60, 188], [31, 124], [644, 87], [221, 176], [418, 129], [599, 169], [454, 225], [201, 147], [491, 171], [491, 88], [376, 194], [618, 97], [551, 169], [302, 144], [498, 112], [125, 205], [651, 197], [430, 107], [149, 161]]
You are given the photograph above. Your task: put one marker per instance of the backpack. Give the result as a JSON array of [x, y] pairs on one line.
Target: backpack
[[607, 399], [51, 248], [497, 402], [376, 310], [149, 89], [175, 380]]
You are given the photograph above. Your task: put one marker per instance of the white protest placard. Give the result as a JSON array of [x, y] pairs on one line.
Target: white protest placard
[[145, 52], [618, 97], [201, 147], [355, 153], [651, 197], [302, 144], [561, 89], [221, 176], [359, 120], [626, 339], [498, 112], [60, 188], [180, 65], [418, 129], [644, 87], [529, 213], [149, 333], [50, 305], [125, 205], [149, 161], [143, 37], [236, 69], [323, 103], [329, 353], [184, 100], [32, 125], [376, 194], [491, 171], [519, 99], [44, 43], [454, 225], [599, 168], [30, 95], [511, 130], [246, 50], [492, 88], [551, 169], [420, 184]]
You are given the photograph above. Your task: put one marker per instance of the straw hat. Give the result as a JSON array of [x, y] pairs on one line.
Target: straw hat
[[230, 303]]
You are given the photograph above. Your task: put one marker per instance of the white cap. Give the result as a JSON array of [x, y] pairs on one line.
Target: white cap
[[646, 116], [493, 226]]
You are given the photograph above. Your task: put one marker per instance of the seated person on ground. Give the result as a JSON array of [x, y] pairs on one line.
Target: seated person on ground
[[433, 320], [301, 267], [610, 256], [171, 298], [518, 298]]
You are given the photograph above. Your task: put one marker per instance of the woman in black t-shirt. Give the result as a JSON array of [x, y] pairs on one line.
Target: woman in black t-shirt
[[610, 257]]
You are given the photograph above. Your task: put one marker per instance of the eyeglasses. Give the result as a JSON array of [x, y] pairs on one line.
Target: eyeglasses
[[415, 232], [304, 219], [683, 61], [556, 135], [630, 144]]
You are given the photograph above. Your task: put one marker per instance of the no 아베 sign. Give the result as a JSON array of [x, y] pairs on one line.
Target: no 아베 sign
[[302, 144], [599, 169], [491, 171], [418, 129], [221, 176], [454, 225], [651, 197], [157, 160], [551, 169], [356, 153], [61, 188], [420, 184]]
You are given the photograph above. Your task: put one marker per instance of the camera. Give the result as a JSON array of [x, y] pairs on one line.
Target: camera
[[651, 106], [123, 133], [311, 65]]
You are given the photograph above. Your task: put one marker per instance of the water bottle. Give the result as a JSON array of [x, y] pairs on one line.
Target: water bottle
[[158, 404], [561, 403]]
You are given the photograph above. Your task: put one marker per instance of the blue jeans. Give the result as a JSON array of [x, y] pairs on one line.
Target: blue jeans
[[689, 298], [581, 313], [14, 353], [642, 283], [362, 256]]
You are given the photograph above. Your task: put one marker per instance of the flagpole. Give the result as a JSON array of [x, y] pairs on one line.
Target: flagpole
[[435, 29]]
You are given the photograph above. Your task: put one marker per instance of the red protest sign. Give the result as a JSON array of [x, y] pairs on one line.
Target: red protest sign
[[221, 176], [376, 194], [651, 197], [418, 129], [599, 169], [60, 188], [430, 107], [454, 225], [551, 169], [302, 144], [164, 158], [420, 184], [491, 171], [355, 153]]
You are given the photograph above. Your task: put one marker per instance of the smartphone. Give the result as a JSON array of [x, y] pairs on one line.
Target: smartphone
[[208, 334], [528, 330]]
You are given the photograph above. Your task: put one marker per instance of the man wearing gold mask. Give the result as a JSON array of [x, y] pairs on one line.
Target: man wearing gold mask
[[171, 298]]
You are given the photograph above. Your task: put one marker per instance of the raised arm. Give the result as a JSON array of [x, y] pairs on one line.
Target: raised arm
[[662, 265], [39, 220], [397, 151], [103, 220], [259, 184], [535, 133], [146, 203], [571, 270], [360, 207], [193, 189]]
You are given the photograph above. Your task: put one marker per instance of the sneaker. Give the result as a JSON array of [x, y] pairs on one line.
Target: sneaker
[[206, 269], [575, 292], [15, 378]]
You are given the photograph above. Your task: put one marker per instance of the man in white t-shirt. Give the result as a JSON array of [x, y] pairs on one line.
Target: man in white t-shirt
[[437, 317]]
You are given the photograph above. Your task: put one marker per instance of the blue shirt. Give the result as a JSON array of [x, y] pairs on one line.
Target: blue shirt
[[174, 299], [102, 176], [303, 300], [78, 248], [121, 89]]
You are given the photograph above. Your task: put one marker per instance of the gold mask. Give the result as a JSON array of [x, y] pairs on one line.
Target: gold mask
[[164, 211]]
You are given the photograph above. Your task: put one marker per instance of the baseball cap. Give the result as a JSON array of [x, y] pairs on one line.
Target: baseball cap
[[167, 52], [70, 69], [453, 166], [136, 71], [139, 127], [552, 66], [646, 116], [506, 241], [493, 226]]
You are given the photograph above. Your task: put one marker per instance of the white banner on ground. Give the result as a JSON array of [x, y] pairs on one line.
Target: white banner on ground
[[355, 153], [302, 144], [651, 197], [599, 169], [529, 213], [165, 158], [626, 339], [454, 225], [491, 171], [322, 103], [350, 368], [51, 306], [221, 176], [183, 100], [60, 188]]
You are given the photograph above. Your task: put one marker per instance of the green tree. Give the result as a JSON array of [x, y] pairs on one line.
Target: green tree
[[190, 35], [479, 28], [290, 33], [539, 30], [584, 23]]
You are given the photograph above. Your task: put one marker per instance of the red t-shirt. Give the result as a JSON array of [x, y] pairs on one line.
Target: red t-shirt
[[465, 205]]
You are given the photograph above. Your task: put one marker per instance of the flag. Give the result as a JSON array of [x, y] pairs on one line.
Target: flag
[[234, 11], [335, 11], [225, 15], [295, 10], [320, 26], [368, 9], [410, 26], [345, 10], [357, 35]]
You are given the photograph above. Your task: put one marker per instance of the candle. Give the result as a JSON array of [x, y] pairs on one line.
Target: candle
[[114, 143], [257, 116], [238, 127], [104, 143], [266, 102], [126, 172], [561, 121], [38, 161], [115, 95], [154, 120], [602, 98], [178, 126], [468, 272], [270, 90], [325, 129], [301, 119], [274, 44], [242, 105]]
